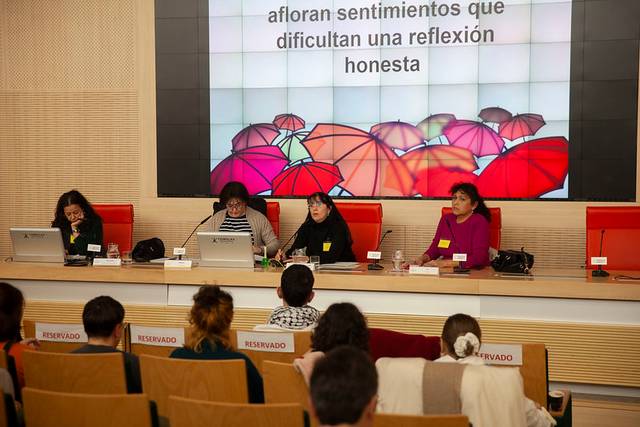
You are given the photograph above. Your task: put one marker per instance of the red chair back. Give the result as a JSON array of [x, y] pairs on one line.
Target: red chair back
[[365, 223], [621, 225], [387, 343], [117, 225], [495, 226], [273, 215]]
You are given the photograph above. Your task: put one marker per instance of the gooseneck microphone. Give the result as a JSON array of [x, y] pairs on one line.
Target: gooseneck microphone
[[600, 272], [194, 230], [294, 234], [375, 265]]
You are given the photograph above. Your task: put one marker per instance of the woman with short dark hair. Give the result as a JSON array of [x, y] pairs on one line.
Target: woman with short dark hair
[[79, 223]]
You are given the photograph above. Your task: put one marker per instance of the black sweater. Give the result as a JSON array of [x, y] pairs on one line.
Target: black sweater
[[329, 239]]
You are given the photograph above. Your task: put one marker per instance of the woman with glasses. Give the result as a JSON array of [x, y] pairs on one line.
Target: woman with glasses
[[79, 223], [324, 232], [238, 217]]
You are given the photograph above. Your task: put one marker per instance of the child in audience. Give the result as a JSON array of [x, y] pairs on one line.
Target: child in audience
[[460, 342], [210, 320], [341, 324], [296, 292], [103, 320], [343, 388]]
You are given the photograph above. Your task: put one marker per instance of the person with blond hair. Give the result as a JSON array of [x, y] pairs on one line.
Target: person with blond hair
[[210, 319]]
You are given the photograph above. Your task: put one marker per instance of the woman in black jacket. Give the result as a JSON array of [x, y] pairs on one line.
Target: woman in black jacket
[[79, 223]]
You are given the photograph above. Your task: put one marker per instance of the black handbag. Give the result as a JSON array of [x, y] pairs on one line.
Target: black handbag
[[149, 249], [513, 261]]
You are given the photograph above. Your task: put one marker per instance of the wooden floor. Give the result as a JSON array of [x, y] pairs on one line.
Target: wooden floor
[[596, 411]]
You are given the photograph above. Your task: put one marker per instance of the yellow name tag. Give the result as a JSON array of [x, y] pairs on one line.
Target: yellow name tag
[[444, 243], [326, 246]]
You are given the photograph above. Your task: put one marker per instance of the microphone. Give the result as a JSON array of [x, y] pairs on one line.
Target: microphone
[[600, 272], [194, 230], [294, 234], [375, 265]]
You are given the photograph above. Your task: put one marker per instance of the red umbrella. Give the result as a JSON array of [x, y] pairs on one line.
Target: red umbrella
[[255, 136], [432, 126], [527, 170], [288, 122], [255, 167], [398, 134], [439, 156], [368, 166], [437, 181], [474, 136], [305, 179], [495, 115], [521, 125]]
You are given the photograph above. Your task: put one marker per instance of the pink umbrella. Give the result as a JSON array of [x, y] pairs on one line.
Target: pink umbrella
[[521, 125], [255, 167], [255, 136], [306, 178], [478, 138], [288, 122], [494, 114], [398, 134]]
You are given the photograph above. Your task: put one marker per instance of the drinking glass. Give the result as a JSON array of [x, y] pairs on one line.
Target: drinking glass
[[113, 251], [315, 260], [126, 257], [300, 255], [397, 259]]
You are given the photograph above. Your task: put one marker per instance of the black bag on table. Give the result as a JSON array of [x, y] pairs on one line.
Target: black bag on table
[[513, 261], [149, 249]]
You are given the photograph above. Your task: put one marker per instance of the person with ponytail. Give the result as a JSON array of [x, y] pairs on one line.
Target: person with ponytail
[[209, 339], [464, 231]]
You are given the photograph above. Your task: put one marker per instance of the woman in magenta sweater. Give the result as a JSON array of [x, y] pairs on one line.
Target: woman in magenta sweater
[[464, 231]]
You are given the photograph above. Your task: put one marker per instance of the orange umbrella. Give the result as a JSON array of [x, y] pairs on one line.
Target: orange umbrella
[[368, 166], [398, 134], [446, 156]]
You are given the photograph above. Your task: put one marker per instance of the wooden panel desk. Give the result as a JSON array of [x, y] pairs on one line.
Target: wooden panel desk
[[580, 319]]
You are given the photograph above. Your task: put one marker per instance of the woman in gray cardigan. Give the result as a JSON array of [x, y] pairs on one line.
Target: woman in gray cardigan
[[238, 217]]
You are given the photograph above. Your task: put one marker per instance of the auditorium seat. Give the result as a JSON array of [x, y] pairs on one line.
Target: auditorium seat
[[59, 344], [284, 384], [388, 343], [495, 226], [117, 225], [136, 344], [273, 215], [365, 224], [621, 227], [189, 412], [393, 420], [53, 409], [301, 344]]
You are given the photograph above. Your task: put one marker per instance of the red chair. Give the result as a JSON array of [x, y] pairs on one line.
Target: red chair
[[621, 225], [495, 226], [117, 225], [273, 215], [387, 343], [365, 223]]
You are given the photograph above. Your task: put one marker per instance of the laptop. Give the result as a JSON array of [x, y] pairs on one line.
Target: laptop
[[37, 244], [225, 249]]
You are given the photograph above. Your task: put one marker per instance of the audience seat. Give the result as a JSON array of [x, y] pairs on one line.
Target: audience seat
[[621, 226], [8, 362], [495, 226], [58, 346], [163, 350], [117, 225], [211, 380], [301, 344], [388, 343], [394, 420], [284, 384], [75, 373], [188, 412], [365, 224], [53, 409], [273, 215]]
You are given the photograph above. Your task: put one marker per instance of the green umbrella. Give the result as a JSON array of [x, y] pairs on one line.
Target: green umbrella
[[432, 126], [292, 148]]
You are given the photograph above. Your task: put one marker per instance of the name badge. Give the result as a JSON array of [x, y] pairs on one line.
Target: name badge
[[326, 246], [460, 257], [444, 243]]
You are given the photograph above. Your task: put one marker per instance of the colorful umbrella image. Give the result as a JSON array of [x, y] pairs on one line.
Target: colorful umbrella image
[[292, 148], [289, 122], [528, 170], [305, 179], [494, 115], [437, 181], [431, 127], [521, 125], [255, 136], [476, 137], [398, 134], [368, 166], [255, 167], [445, 156]]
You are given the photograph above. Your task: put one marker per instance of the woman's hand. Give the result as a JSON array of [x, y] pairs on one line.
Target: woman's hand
[[418, 261], [31, 342], [279, 256], [257, 250]]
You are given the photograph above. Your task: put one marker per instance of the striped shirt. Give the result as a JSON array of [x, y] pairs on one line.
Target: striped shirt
[[237, 225]]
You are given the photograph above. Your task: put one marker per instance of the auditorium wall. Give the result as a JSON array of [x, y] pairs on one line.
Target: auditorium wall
[[77, 110]]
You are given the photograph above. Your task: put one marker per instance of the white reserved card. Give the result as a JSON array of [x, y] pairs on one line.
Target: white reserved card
[[60, 332], [107, 262], [93, 248], [280, 342], [598, 260], [179, 251], [177, 263], [374, 254], [161, 337], [430, 271], [501, 354], [460, 257]]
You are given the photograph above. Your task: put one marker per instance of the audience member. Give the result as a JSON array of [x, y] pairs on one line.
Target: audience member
[[79, 223], [210, 320], [343, 388], [296, 292], [103, 319]]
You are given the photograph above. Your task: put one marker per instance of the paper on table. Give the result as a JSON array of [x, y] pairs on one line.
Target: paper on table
[[345, 265]]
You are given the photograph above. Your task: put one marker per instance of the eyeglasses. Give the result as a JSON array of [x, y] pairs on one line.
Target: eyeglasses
[[315, 203], [234, 206]]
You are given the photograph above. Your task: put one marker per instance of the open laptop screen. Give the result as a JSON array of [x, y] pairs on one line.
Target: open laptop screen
[[37, 244], [225, 249]]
